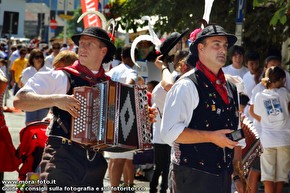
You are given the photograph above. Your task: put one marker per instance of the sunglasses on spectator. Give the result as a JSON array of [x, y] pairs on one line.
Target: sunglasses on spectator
[[22, 54], [56, 48], [38, 56]]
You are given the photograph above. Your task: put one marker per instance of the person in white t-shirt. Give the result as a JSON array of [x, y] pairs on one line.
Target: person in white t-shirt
[[255, 171], [64, 160], [161, 149], [35, 64], [272, 109], [55, 51], [237, 67], [252, 77]]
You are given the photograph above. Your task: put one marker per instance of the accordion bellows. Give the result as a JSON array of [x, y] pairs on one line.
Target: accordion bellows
[[253, 148], [113, 117]]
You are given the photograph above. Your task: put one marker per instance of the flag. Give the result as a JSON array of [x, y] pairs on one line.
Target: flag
[[91, 19]]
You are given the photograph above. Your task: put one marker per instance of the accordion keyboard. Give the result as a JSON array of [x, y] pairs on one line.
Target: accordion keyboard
[[144, 121], [85, 126]]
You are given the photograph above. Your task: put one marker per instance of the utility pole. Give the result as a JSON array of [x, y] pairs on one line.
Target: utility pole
[[8, 61], [65, 22], [239, 20], [49, 30]]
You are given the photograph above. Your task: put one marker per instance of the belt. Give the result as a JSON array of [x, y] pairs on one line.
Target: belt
[[65, 141]]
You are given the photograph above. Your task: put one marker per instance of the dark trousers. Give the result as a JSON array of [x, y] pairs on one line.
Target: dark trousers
[[162, 162], [189, 180], [15, 89], [67, 165]]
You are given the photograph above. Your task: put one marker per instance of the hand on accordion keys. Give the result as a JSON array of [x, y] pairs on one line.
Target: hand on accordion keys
[[68, 103], [152, 112]]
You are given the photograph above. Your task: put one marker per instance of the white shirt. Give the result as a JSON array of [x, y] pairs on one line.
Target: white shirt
[[249, 83], [14, 56], [2, 73], [48, 61], [175, 74], [2, 54], [272, 106], [234, 71], [30, 71], [122, 73], [287, 83], [257, 89], [2, 95], [48, 82], [179, 104], [158, 98], [115, 63], [4, 69]]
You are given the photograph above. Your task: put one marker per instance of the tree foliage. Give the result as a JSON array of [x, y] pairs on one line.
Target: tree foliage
[[265, 26], [281, 12], [174, 15]]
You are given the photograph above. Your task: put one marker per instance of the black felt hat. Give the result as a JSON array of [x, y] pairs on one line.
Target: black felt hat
[[99, 34], [211, 31], [171, 41]]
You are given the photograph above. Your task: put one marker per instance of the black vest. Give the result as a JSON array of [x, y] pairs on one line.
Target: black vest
[[64, 116], [211, 114]]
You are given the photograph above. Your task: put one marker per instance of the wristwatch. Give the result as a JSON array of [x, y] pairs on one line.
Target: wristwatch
[[166, 67]]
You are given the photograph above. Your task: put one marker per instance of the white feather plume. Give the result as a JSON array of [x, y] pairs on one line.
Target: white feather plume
[[101, 16], [156, 41], [109, 23], [105, 25], [134, 45], [207, 10], [152, 37]]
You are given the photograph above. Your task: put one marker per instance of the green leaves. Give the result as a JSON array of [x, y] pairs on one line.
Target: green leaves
[[282, 7], [279, 15]]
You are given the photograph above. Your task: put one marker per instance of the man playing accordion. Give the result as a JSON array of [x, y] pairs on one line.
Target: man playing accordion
[[67, 163]]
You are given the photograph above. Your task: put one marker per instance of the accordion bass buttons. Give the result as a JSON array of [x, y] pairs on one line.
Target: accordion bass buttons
[[146, 135]]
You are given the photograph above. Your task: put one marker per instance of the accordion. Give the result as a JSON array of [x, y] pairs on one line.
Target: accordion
[[253, 147], [113, 117]]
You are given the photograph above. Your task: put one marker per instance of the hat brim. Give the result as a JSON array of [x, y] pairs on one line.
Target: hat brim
[[165, 53], [109, 44], [231, 41]]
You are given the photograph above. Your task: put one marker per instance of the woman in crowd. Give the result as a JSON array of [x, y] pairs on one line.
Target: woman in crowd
[[35, 64]]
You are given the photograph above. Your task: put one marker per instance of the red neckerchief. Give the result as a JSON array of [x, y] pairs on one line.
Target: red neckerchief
[[85, 73], [219, 81]]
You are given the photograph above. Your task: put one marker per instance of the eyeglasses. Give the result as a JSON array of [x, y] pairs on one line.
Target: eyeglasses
[[38, 57], [56, 48], [22, 54]]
